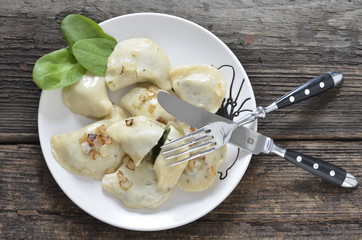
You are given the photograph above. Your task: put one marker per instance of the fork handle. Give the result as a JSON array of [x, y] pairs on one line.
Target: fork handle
[[313, 87], [322, 169]]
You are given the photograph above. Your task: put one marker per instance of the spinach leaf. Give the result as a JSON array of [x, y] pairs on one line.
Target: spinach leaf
[[157, 149], [76, 27], [57, 69], [61, 68], [93, 54]]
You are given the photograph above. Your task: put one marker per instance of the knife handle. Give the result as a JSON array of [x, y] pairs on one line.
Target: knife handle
[[313, 87], [322, 169]]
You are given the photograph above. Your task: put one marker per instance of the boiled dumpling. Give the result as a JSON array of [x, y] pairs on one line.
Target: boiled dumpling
[[137, 60], [135, 187], [200, 173], [90, 151], [88, 97], [143, 101], [168, 176], [137, 135], [201, 85]]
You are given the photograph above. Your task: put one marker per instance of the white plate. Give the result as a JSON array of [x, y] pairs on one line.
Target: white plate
[[185, 43]]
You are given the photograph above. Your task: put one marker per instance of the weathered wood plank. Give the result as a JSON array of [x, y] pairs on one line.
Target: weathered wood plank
[[274, 200], [280, 44], [279, 51]]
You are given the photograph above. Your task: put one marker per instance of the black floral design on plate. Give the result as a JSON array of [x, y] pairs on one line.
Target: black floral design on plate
[[231, 109], [229, 106]]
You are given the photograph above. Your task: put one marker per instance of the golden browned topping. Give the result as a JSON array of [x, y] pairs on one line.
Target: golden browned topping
[[201, 157], [162, 120], [212, 171], [130, 164], [192, 129], [120, 176], [108, 140], [125, 185], [151, 108], [146, 95], [95, 144], [101, 130], [100, 140], [94, 154], [91, 137], [129, 122], [110, 170], [123, 181], [191, 164]]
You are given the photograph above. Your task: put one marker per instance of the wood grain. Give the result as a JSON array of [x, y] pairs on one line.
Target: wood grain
[[278, 50], [33, 204], [281, 44]]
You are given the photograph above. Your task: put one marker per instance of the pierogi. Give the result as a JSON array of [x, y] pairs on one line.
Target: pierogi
[[135, 187], [124, 150], [88, 97], [200, 85], [90, 152], [137, 60], [137, 135], [200, 173], [142, 101], [168, 176]]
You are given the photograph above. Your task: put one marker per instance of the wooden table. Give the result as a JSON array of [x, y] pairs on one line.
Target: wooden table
[[281, 44]]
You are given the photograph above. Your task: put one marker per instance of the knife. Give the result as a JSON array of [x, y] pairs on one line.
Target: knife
[[255, 142]]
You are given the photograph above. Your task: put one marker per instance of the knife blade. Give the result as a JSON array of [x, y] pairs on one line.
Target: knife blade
[[198, 118], [255, 142]]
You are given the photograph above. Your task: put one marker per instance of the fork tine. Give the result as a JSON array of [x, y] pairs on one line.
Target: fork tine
[[189, 150], [196, 140], [193, 157], [185, 137]]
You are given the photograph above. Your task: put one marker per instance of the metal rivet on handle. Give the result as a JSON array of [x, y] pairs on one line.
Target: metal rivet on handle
[[299, 159], [332, 173]]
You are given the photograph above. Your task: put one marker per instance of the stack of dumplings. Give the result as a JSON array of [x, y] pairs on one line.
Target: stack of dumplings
[[122, 148]]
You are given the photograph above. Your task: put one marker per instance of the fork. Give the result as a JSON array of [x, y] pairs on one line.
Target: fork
[[215, 135], [212, 136]]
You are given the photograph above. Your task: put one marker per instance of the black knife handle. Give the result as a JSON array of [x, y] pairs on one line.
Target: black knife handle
[[313, 87], [320, 168]]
